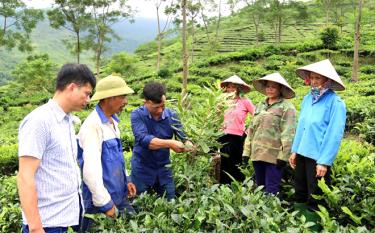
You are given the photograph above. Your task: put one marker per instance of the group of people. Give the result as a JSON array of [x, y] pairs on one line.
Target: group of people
[[49, 181], [51, 192], [274, 138]]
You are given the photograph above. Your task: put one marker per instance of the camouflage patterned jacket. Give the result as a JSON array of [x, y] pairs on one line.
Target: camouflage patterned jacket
[[271, 132]]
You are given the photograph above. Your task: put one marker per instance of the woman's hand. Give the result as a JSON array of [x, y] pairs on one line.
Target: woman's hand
[[321, 170], [292, 160]]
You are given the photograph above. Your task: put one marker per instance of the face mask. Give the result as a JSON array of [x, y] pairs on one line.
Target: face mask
[[315, 91]]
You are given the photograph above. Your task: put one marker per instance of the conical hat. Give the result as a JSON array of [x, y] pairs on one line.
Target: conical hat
[[112, 85], [324, 68], [236, 80], [286, 91]]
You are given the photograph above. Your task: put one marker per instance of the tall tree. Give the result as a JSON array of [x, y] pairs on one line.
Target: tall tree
[[211, 24], [194, 9], [357, 39], [255, 10], [17, 23], [104, 14], [185, 55], [279, 12], [328, 6], [71, 15], [161, 29]]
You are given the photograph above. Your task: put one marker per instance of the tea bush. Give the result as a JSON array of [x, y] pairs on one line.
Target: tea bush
[[351, 197], [10, 212], [8, 159]]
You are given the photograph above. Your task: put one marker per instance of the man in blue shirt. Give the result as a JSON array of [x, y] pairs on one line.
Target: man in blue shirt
[[153, 127], [105, 186]]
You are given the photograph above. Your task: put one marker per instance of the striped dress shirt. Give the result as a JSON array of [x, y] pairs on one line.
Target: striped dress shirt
[[47, 133]]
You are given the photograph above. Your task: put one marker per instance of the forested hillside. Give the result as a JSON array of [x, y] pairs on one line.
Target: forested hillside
[[48, 40]]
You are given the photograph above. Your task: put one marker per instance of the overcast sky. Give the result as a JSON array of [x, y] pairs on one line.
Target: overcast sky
[[143, 8]]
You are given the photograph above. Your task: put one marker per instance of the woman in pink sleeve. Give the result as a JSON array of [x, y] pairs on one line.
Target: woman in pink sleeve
[[234, 128]]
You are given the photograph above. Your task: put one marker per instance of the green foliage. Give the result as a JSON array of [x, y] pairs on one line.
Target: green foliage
[[329, 37], [351, 198], [37, 73], [123, 64], [8, 159], [10, 211], [18, 23], [104, 13], [71, 15], [164, 72]]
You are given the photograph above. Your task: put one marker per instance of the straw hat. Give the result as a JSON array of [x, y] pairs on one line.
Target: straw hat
[[236, 80], [286, 91], [112, 85], [324, 68]]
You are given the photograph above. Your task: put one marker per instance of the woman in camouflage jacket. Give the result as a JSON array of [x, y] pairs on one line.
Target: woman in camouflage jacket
[[271, 132]]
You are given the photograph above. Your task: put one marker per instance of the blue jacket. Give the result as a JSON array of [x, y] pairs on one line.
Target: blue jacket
[[99, 142], [320, 128], [148, 164]]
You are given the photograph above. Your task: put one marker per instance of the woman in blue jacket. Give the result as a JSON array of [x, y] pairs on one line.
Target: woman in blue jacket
[[319, 131]]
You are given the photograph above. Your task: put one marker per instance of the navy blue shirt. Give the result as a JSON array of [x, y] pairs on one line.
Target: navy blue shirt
[[150, 165]]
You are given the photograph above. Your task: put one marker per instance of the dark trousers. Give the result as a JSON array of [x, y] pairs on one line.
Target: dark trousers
[[306, 182], [268, 175], [25, 229], [168, 189], [231, 158]]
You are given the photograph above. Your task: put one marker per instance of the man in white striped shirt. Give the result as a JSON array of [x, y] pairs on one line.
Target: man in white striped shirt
[[105, 186], [49, 179]]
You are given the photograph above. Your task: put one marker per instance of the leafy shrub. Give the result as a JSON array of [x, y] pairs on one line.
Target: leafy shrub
[[8, 159], [351, 198], [329, 37], [10, 211], [164, 72]]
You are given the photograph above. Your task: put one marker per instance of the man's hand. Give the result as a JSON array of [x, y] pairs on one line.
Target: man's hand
[[321, 170], [292, 160], [111, 213], [189, 146], [177, 146], [132, 190]]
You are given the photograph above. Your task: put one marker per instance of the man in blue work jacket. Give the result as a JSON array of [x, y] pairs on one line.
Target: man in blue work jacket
[[153, 127], [105, 187]]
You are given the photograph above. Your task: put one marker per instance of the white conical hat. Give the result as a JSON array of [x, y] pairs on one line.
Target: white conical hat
[[236, 80], [324, 68], [286, 91]]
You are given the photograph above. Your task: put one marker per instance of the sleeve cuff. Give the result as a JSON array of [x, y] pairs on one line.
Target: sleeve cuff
[[106, 207], [146, 141]]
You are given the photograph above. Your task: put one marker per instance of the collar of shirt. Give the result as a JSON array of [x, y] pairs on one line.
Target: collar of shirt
[[148, 114], [269, 105], [103, 117], [58, 111]]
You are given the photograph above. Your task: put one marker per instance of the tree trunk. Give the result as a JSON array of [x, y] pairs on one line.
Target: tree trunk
[[357, 38], [256, 25], [159, 41], [185, 58], [192, 40], [98, 56], [78, 51], [279, 24], [218, 22], [206, 27]]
